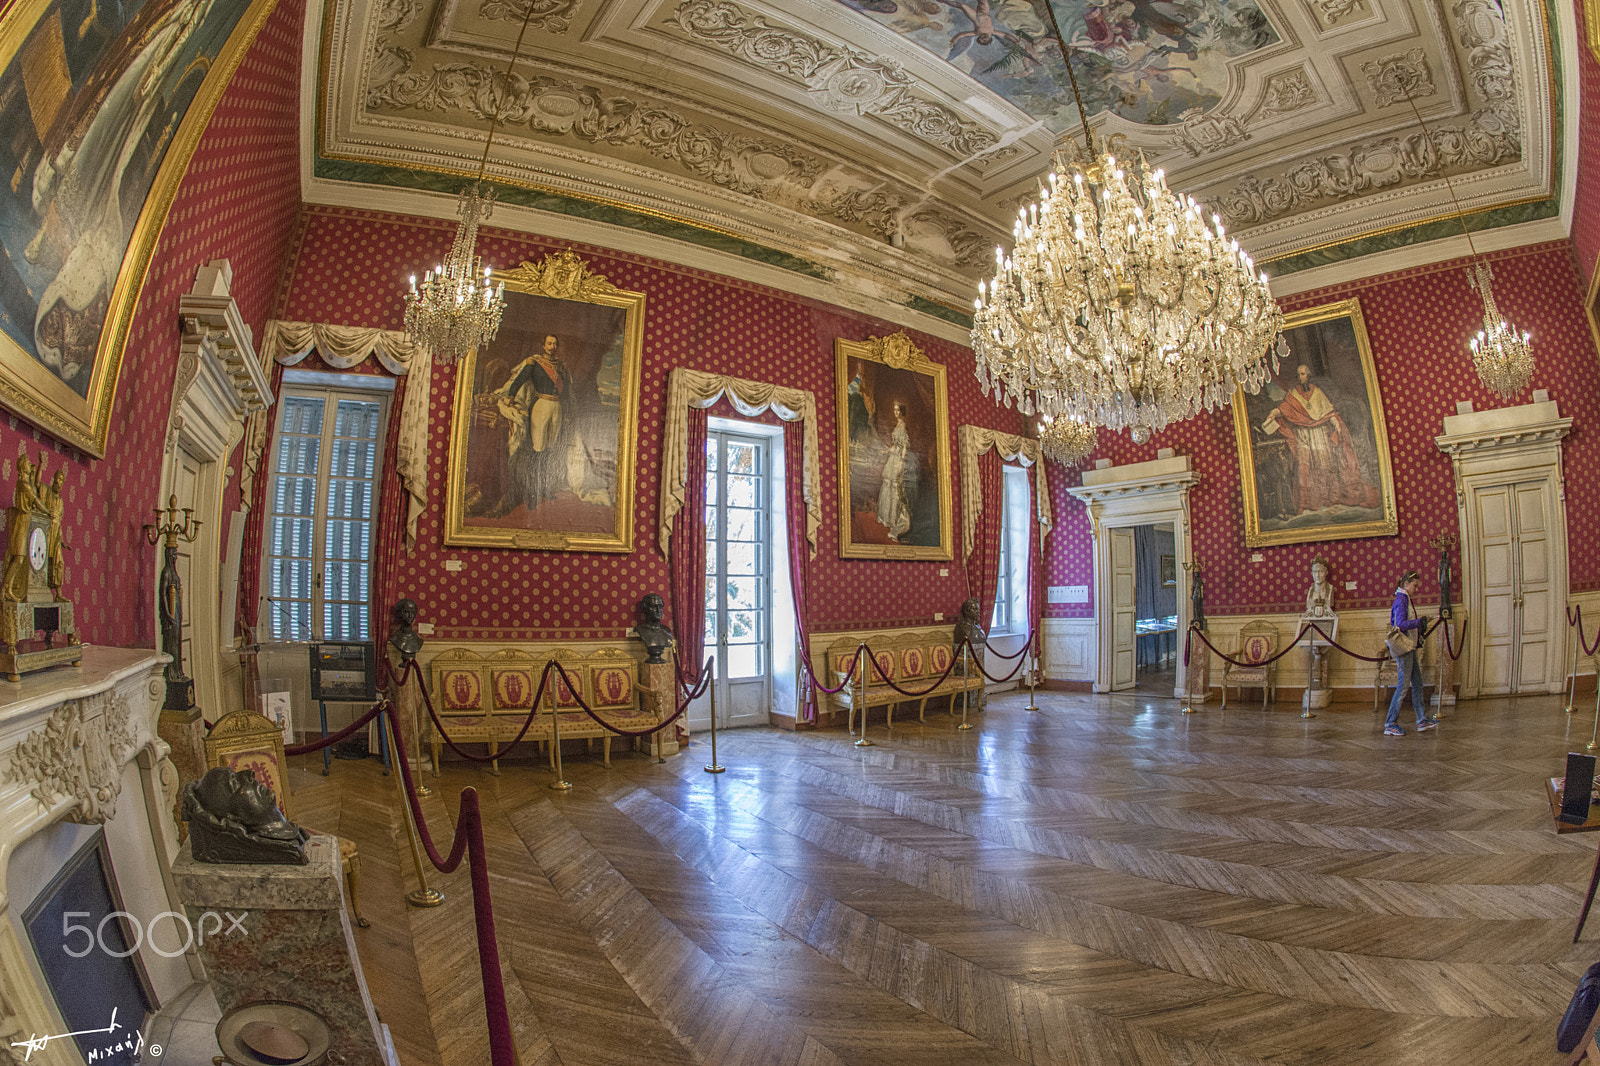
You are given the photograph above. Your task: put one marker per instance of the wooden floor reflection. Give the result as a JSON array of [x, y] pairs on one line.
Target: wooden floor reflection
[[1106, 881]]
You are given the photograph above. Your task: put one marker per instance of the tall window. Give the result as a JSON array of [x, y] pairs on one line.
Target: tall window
[[738, 555], [321, 505], [1011, 589]]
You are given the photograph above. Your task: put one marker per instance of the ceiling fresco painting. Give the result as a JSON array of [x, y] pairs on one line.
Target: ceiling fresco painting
[[885, 144], [1150, 61]]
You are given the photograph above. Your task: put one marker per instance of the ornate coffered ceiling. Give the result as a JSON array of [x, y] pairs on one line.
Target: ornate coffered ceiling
[[888, 142]]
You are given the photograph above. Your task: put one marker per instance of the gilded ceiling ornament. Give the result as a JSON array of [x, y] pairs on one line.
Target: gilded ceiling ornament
[[897, 350], [552, 16], [844, 79], [1399, 77], [563, 276]]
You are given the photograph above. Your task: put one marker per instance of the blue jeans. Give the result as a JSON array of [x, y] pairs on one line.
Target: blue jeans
[[1408, 673]]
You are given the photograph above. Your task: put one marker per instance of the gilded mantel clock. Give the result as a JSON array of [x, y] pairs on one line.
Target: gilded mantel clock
[[36, 624]]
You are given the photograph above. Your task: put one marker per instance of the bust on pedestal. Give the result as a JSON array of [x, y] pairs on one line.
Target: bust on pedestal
[[1319, 612], [656, 673]]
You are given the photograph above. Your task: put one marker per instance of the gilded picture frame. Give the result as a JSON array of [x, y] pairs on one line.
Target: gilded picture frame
[[1313, 444], [893, 442], [546, 418], [137, 90]]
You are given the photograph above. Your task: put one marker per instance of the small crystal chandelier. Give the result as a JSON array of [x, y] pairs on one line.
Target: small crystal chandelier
[[457, 307], [1502, 355], [1067, 440], [1119, 306]]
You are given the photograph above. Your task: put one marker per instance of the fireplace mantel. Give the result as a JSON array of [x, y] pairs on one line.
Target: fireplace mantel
[[80, 744]]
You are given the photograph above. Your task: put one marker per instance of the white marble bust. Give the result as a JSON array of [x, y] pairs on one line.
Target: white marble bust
[[1319, 597]]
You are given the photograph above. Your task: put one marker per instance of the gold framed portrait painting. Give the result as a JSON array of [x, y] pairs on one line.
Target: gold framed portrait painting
[[1313, 445], [104, 113], [894, 451], [547, 416]]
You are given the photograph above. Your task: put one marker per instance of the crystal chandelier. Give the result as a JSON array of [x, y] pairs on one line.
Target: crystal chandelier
[[457, 307], [1067, 440], [1119, 306], [1501, 353]]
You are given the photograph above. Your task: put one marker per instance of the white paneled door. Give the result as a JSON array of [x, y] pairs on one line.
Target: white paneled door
[[1519, 649], [738, 620]]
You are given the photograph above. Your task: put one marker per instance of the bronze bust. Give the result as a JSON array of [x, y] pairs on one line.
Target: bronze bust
[[404, 637], [655, 637], [233, 818], [968, 631]]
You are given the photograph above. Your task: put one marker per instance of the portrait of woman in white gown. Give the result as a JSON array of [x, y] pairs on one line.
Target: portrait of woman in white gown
[[894, 509]]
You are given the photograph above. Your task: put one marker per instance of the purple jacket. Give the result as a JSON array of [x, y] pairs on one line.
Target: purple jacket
[[1400, 613]]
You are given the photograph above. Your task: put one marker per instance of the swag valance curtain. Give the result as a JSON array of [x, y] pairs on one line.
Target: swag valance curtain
[[697, 389]]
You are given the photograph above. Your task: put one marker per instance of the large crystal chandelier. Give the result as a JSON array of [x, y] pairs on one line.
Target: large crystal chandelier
[[1119, 304], [1067, 440], [1502, 355], [458, 306]]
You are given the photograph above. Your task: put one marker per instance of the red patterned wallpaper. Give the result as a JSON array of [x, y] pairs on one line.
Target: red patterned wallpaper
[[1586, 201], [350, 268], [238, 200], [1418, 322]]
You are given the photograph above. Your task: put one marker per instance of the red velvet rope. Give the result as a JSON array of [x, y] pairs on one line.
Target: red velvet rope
[[905, 692], [1026, 644], [1577, 621], [427, 700], [1015, 670], [1195, 631], [468, 841], [705, 675], [1454, 652]]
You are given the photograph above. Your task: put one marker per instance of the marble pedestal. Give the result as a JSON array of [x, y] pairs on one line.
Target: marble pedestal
[[658, 678], [294, 943], [185, 733], [1318, 694]]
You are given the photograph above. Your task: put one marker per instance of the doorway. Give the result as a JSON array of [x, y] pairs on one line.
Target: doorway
[[1155, 618], [1520, 649], [748, 603]]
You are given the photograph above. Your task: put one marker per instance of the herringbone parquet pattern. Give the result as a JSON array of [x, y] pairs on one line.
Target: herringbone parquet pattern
[[1103, 882]]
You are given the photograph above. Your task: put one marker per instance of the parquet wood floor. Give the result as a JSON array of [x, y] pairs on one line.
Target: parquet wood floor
[[1106, 881]]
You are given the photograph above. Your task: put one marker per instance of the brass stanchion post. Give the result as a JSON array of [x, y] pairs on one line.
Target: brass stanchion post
[[715, 767], [861, 694], [1572, 678], [1188, 675], [560, 784], [1033, 681], [416, 728], [423, 896], [966, 683], [1594, 735], [1441, 649]]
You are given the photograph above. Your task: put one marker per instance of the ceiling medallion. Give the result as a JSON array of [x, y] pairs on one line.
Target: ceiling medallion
[[458, 306], [1118, 305]]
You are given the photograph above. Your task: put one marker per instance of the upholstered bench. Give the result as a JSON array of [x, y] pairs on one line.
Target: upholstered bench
[[911, 660], [485, 699]]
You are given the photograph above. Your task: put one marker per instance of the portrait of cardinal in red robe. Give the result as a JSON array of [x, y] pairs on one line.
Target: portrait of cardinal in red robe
[[1326, 470]]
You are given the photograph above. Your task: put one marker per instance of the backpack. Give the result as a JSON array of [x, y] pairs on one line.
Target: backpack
[[1580, 1012]]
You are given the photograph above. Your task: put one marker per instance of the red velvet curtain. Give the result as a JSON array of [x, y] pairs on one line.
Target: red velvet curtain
[[687, 566], [983, 557], [391, 525], [799, 557], [1035, 564]]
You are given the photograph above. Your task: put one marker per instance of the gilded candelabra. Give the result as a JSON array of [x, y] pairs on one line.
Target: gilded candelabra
[[180, 687]]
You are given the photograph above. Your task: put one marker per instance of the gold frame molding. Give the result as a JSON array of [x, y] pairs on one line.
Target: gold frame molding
[[558, 277], [898, 352], [26, 387], [1389, 524]]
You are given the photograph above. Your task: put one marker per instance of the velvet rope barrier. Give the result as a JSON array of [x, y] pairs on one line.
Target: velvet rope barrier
[[1015, 670], [905, 692], [705, 675], [1577, 622], [427, 700], [1017, 655], [1455, 653], [1308, 627], [468, 841]]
